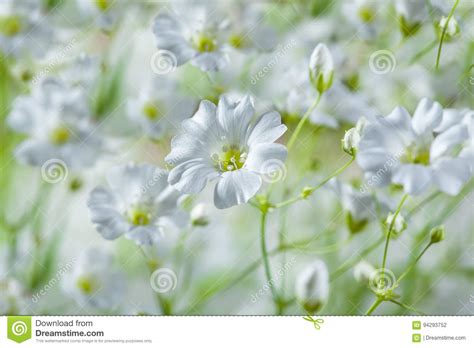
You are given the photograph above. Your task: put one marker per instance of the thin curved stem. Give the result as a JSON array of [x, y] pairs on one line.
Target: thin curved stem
[[266, 263], [413, 264], [407, 307], [374, 306], [310, 190], [303, 120], [389, 233], [443, 33]]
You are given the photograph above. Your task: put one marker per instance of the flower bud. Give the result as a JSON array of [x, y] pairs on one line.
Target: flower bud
[[363, 271], [411, 14], [312, 286], [452, 29], [437, 234], [399, 225], [350, 142], [321, 68], [199, 215]]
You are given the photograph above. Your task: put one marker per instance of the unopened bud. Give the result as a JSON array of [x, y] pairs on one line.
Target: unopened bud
[[321, 68], [437, 234]]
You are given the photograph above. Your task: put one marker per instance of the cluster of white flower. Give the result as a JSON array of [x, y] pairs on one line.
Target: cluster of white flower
[[155, 105]]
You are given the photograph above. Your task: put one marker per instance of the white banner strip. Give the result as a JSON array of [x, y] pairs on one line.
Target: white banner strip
[[327, 331]]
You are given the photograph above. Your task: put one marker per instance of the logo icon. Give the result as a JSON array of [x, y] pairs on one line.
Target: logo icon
[[416, 338], [416, 325], [19, 328]]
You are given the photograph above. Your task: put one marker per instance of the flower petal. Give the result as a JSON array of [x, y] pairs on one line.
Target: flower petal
[[447, 140], [236, 187], [267, 129], [261, 154], [450, 174], [427, 116], [415, 178]]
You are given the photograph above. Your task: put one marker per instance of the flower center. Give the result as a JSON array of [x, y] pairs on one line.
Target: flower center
[[86, 284], [237, 41], [10, 25], [60, 135], [366, 14], [102, 5], [203, 43], [231, 158], [151, 111], [138, 216], [416, 154]]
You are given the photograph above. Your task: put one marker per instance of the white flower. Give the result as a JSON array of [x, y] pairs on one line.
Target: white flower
[[94, 281], [223, 143], [411, 14], [360, 206], [200, 215], [363, 15], [452, 29], [312, 286], [158, 108], [411, 152], [399, 225], [23, 29], [363, 272], [196, 41], [104, 12], [12, 297], [56, 119], [138, 205], [321, 68]]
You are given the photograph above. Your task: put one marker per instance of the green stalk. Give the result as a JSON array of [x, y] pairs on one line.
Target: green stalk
[[303, 120], [310, 190], [443, 34], [389, 233], [266, 264]]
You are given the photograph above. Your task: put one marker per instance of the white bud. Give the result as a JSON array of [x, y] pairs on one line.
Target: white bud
[[398, 226], [411, 14], [350, 142], [363, 271], [321, 68], [451, 30], [199, 215], [312, 286]]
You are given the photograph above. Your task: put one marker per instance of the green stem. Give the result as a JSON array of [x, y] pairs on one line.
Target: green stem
[[374, 306], [389, 233], [407, 307], [303, 120], [423, 51], [163, 303], [443, 33], [412, 264], [310, 190], [266, 264]]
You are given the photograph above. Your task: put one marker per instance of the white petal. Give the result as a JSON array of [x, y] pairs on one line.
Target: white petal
[[427, 116], [261, 154], [450, 118], [400, 124], [415, 178], [375, 158], [191, 176], [267, 129], [450, 174], [236, 187], [448, 140], [213, 61]]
